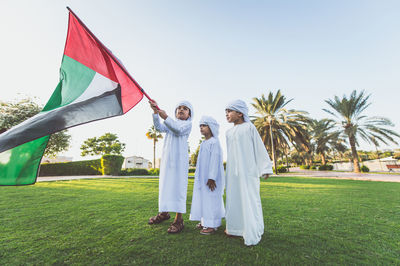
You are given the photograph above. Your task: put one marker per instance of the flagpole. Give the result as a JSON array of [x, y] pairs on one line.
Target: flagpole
[[111, 55]]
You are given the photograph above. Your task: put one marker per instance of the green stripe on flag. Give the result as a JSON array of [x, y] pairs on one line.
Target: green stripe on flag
[[19, 165], [74, 80]]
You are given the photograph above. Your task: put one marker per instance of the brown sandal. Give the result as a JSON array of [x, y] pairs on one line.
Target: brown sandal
[[176, 227], [229, 235], [208, 231], [159, 218]]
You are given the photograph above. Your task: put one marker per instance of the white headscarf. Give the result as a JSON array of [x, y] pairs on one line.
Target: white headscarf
[[188, 105], [211, 123], [241, 107]]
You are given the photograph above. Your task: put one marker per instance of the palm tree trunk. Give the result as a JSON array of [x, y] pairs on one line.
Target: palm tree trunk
[[323, 158], [154, 153], [354, 154], [287, 159], [273, 149], [309, 159]]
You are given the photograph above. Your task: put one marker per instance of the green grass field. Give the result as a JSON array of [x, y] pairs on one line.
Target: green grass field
[[104, 221]]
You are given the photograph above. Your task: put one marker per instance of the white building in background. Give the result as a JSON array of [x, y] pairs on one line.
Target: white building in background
[[57, 159], [136, 162], [377, 165]]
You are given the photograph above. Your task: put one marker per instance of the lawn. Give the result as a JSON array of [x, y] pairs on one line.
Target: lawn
[[104, 221]]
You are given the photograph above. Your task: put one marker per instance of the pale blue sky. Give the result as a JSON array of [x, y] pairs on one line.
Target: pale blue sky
[[211, 52]]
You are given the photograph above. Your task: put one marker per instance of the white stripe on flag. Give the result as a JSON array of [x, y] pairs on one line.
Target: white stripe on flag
[[99, 85]]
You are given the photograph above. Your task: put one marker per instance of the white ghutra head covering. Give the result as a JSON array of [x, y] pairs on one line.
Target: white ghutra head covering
[[241, 107], [211, 123], [188, 105]]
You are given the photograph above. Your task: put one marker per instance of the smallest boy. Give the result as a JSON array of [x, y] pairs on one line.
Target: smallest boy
[[207, 202]]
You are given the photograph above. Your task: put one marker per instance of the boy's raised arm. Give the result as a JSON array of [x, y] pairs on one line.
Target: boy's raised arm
[[156, 118], [178, 128], [158, 125]]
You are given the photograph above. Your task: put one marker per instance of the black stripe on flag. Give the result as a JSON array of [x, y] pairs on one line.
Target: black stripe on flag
[[103, 106]]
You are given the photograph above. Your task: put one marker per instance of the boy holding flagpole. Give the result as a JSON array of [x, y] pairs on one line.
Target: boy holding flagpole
[[174, 163]]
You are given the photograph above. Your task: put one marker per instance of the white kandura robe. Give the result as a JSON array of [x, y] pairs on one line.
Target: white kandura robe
[[247, 160], [208, 206], [174, 164]]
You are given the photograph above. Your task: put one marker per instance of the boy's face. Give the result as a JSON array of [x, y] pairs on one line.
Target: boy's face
[[182, 112], [205, 130], [233, 116]]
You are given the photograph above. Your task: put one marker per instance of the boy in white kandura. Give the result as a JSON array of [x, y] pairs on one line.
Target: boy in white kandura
[[247, 160], [174, 163], [207, 202]]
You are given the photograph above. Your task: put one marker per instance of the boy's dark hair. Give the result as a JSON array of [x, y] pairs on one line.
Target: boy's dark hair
[[190, 111]]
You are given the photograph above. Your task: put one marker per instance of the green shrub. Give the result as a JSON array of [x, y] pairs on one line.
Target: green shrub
[[326, 167], [88, 167], [364, 169], [313, 167], [111, 164], [192, 170], [134, 171], [304, 166], [282, 169], [154, 171]]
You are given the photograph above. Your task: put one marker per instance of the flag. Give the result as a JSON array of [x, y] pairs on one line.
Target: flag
[[93, 85]]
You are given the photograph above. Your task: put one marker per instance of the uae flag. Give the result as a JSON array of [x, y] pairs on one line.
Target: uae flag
[[93, 85]]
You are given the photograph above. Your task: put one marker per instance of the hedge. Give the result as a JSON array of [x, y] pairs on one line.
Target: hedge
[[282, 169], [364, 169], [111, 164], [134, 171], [154, 171], [192, 170], [326, 167], [89, 167], [304, 167]]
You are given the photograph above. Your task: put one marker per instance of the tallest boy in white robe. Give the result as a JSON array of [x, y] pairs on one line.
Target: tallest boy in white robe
[[174, 167], [247, 160]]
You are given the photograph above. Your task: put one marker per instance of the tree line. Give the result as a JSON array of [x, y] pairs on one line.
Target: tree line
[[289, 134], [287, 130]]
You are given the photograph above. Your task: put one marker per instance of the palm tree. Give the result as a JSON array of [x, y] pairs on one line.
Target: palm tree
[[155, 136], [278, 126], [323, 137], [300, 157], [354, 124]]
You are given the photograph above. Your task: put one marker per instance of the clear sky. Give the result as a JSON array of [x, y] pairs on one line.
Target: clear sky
[[211, 52]]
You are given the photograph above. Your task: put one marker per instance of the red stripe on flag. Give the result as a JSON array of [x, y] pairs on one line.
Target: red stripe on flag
[[84, 48]]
